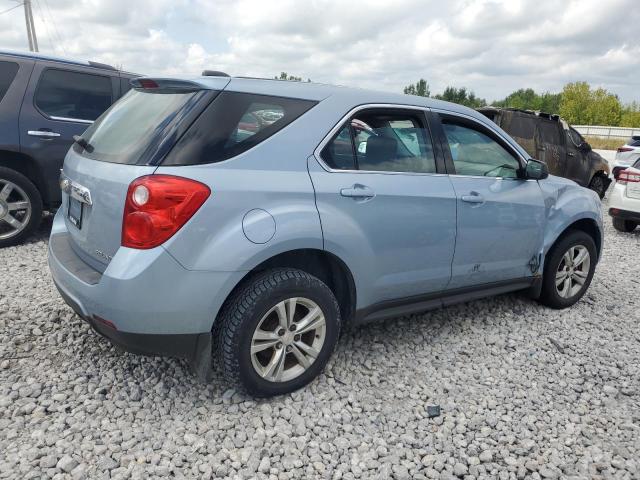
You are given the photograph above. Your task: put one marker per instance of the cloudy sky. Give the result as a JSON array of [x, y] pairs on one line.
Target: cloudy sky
[[490, 46]]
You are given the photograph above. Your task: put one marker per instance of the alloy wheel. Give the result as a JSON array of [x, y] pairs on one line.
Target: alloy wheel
[[288, 339], [573, 271], [15, 209]]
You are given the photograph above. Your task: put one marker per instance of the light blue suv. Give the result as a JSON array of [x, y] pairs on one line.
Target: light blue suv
[[251, 220]]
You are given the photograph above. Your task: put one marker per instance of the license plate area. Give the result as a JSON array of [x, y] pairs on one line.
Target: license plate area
[[74, 212], [633, 190]]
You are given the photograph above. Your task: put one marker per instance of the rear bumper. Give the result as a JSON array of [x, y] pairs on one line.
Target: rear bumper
[[145, 301], [625, 214], [622, 206]]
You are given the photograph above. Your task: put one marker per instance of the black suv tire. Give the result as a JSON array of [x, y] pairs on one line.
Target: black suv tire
[[625, 226], [247, 310], [26, 192], [550, 295], [599, 185]]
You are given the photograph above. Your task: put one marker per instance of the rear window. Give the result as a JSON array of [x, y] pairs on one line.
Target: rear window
[[633, 141], [8, 71], [549, 132], [234, 123], [138, 126], [69, 95]]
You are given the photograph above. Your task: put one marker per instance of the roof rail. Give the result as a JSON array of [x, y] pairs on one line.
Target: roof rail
[[214, 73]]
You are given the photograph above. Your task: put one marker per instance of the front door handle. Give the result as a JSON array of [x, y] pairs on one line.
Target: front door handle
[[357, 191], [43, 133], [473, 198]]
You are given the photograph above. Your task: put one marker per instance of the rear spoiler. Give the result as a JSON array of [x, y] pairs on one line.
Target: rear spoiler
[[164, 84]]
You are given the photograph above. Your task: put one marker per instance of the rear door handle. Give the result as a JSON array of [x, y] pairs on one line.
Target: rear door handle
[[43, 133], [473, 198], [357, 191]]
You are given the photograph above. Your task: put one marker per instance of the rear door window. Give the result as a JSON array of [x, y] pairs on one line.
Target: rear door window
[[382, 141], [8, 71], [234, 123], [66, 95]]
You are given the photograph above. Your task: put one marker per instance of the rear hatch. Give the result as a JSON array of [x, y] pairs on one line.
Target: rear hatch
[[126, 142]]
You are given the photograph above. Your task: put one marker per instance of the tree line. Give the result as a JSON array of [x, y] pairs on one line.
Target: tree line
[[578, 103]]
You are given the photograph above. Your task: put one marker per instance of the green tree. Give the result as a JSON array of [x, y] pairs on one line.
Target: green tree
[[528, 99], [290, 78], [461, 96], [420, 88], [631, 115], [581, 105]]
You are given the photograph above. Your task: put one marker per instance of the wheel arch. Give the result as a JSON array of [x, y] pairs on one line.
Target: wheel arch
[[324, 265], [586, 225], [25, 165]]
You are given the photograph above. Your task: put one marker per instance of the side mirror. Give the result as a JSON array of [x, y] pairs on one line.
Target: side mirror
[[536, 170]]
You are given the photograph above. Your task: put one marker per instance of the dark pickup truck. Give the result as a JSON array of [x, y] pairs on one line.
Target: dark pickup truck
[[44, 102], [552, 140]]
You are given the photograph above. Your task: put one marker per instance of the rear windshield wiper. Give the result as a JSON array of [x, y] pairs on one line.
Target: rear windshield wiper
[[83, 143]]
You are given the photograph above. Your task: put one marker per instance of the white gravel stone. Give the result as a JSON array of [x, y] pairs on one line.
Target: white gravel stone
[[525, 392]]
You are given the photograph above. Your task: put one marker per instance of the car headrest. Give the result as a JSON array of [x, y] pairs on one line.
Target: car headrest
[[381, 149]]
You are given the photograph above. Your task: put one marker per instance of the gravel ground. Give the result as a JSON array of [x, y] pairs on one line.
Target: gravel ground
[[525, 392]]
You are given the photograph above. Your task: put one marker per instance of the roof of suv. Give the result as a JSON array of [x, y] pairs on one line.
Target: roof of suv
[[67, 61], [537, 113]]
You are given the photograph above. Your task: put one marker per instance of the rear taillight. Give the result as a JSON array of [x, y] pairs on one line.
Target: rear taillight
[[625, 149], [627, 176], [157, 207]]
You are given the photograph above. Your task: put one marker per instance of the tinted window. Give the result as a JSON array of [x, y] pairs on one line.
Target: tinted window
[[475, 153], [383, 141], [74, 95], [522, 126], [132, 130], [549, 132], [125, 86], [8, 71], [634, 142], [338, 153], [234, 123], [637, 164]]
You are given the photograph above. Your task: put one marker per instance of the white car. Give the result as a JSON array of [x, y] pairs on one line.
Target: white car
[[624, 200], [627, 155]]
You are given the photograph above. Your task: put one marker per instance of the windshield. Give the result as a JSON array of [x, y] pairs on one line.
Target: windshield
[[141, 125]]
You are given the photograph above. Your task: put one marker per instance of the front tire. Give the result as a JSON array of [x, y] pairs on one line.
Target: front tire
[[20, 207], [276, 332], [625, 226], [568, 270]]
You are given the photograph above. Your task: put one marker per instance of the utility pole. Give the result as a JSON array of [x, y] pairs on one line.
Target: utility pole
[[31, 27]]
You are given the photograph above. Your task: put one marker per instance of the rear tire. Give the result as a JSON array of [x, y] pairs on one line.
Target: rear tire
[[566, 278], [261, 355], [625, 226], [598, 185], [20, 207]]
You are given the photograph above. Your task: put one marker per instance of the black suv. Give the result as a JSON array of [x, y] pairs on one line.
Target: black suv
[[44, 102], [552, 140]]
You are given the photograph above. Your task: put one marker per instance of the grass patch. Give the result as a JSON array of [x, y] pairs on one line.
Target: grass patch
[[605, 143]]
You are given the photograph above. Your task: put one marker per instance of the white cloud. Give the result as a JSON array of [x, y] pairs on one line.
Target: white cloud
[[490, 46]]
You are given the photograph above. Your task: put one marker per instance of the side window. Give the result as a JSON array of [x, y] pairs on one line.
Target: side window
[[338, 153], [73, 95], [549, 132], [522, 128], [125, 86], [575, 137], [475, 153], [8, 71], [382, 142]]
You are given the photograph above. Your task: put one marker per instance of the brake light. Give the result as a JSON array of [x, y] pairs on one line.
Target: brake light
[[626, 176], [625, 149], [157, 206], [147, 83]]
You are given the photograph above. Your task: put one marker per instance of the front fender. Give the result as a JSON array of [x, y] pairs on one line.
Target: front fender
[[565, 204]]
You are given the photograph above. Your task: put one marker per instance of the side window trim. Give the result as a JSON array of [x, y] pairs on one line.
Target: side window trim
[[66, 119], [464, 119], [424, 112]]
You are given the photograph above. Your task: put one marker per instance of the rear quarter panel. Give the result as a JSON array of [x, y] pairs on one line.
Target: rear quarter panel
[[11, 104]]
